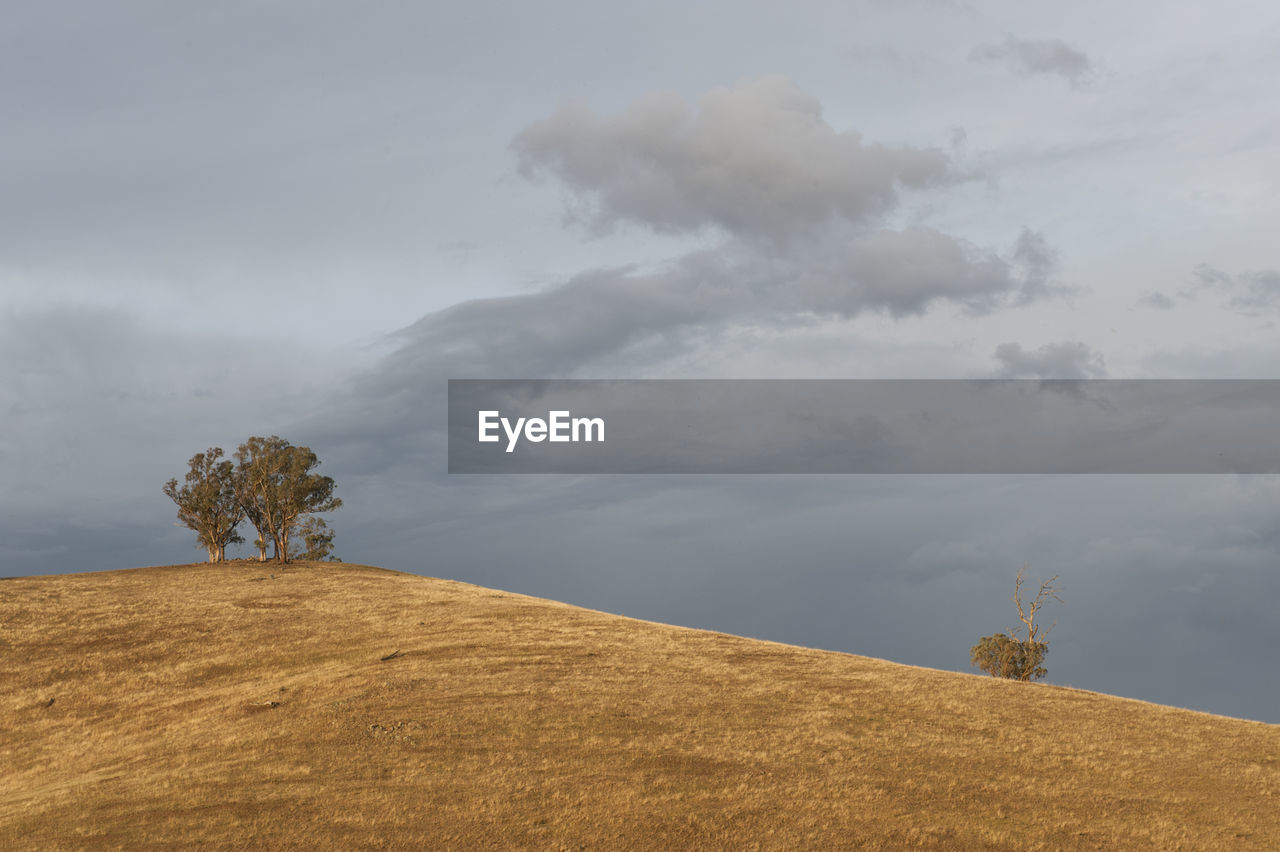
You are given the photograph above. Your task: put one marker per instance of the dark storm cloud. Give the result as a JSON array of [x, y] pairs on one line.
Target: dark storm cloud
[[76, 540], [756, 159], [97, 411], [1069, 359], [1030, 57]]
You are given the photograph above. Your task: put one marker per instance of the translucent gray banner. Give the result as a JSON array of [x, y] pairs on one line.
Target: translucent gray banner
[[864, 426]]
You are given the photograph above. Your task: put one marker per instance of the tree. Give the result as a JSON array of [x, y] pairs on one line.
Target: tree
[[207, 502], [1004, 654], [253, 515], [277, 489], [318, 540]]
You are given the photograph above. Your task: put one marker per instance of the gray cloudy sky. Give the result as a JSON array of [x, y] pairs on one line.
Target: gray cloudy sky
[[219, 220]]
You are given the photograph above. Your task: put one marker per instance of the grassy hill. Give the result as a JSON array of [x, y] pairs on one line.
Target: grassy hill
[[239, 705]]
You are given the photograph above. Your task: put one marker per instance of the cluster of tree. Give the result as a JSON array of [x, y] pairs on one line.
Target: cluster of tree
[[272, 485], [1006, 655]]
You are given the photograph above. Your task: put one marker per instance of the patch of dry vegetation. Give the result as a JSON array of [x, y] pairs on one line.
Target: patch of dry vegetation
[[239, 705]]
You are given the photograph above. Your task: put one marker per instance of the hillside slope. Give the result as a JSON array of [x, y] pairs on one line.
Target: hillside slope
[[239, 705]]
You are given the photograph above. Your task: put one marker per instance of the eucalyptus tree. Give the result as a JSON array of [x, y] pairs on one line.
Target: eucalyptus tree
[[317, 541], [207, 502], [1005, 654], [277, 488]]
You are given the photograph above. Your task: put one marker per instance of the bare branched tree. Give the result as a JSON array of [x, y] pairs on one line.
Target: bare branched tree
[[1027, 612], [1004, 654]]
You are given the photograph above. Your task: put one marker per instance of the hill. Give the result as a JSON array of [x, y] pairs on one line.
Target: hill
[[342, 706]]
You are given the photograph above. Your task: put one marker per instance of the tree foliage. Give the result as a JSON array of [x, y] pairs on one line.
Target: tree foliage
[[317, 541], [207, 502], [273, 485], [1006, 655], [277, 488], [1002, 655]]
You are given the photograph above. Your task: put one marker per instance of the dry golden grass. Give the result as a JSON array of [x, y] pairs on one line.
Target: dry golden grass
[[242, 706]]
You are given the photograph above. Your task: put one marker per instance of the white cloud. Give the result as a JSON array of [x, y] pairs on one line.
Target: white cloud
[[756, 159]]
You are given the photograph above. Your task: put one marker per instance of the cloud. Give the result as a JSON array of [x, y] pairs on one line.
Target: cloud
[[562, 330], [905, 273], [1065, 360], [97, 409], [1158, 301], [1250, 293], [1035, 261], [756, 159], [1029, 57], [801, 207]]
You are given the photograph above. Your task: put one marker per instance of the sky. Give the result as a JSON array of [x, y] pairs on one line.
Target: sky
[[302, 219]]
